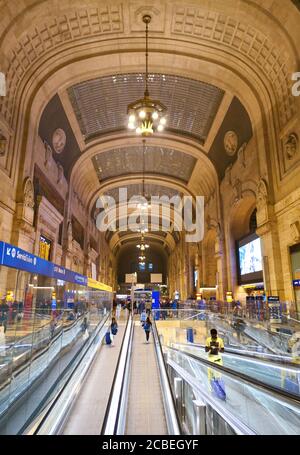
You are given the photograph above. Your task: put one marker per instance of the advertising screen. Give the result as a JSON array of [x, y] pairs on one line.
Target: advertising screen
[[250, 259]]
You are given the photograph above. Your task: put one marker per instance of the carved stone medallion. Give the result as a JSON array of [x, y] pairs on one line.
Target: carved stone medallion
[[59, 139], [230, 142]]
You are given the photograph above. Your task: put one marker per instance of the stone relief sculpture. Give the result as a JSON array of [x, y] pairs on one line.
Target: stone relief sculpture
[[28, 193], [228, 174], [291, 146], [242, 155], [48, 154], [60, 172], [261, 194], [238, 191]]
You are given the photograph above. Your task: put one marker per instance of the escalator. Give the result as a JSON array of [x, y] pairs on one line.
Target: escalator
[[169, 390], [267, 368], [141, 401], [248, 405]]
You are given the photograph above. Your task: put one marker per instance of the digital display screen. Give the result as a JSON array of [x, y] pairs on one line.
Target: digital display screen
[[250, 257]]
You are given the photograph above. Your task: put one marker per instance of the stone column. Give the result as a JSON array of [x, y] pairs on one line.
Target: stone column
[[268, 232]]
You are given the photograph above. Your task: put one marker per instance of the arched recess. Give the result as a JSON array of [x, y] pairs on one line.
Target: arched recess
[[127, 262], [238, 226]]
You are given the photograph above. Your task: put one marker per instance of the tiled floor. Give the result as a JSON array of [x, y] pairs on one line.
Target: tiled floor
[[145, 415]]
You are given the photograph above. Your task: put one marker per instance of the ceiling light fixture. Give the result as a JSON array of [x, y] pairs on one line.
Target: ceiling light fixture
[[145, 115], [142, 246]]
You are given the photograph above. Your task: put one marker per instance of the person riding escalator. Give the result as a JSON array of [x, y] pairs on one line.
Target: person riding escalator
[[215, 346]]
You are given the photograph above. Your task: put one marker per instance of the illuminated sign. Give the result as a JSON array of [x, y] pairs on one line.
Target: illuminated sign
[[97, 285], [15, 257], [44, 248]]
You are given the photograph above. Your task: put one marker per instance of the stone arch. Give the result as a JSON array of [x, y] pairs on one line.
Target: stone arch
[[64, 26], [237, 227], [161, 54]]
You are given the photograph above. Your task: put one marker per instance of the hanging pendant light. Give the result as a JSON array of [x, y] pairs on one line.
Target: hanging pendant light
[[145, 115]]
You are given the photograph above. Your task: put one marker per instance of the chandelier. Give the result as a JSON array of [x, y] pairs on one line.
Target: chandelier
[[145, 115], [142, 246]]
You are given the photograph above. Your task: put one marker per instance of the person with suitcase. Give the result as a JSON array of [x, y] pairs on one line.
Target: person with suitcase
[[114, 326], [147, 328], [215, 346]]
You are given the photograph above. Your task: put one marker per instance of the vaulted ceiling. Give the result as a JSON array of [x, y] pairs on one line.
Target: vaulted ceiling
[[101, 104], [198, 52]]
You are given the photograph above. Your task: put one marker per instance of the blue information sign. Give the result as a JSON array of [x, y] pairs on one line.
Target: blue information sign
[[15, 257]]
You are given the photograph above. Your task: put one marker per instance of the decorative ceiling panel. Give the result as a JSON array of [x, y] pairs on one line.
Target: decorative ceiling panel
[[158, 160], [137, 190], [101, 104]]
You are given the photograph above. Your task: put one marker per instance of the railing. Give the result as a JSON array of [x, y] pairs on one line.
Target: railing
[[35, 361], [173, 422], [249, 406], [57, 406]]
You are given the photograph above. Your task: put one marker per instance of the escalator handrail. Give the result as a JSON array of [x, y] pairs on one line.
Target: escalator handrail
[[173, 422], [267, 358], [83, 350], [238, 426], [278, 393], [118, 373]]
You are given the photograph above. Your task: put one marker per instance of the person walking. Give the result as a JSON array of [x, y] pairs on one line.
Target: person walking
[[215, 346], [147, 328]]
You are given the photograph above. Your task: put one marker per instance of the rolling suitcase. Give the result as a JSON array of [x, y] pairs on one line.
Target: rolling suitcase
[[107, 338]]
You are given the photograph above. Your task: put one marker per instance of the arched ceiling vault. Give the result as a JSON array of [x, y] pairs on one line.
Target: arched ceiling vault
[[185, 65], [183, 149], [49, 49]]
